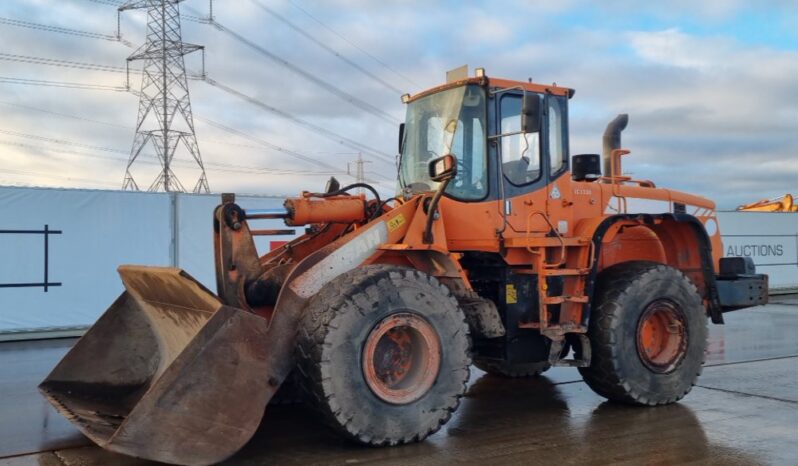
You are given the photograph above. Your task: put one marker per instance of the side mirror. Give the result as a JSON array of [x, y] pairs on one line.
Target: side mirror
[[443, 168], [401, 137], [531, 114]]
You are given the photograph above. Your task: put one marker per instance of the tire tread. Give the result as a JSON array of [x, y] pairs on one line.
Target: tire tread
[[605, 375], [351, 292]]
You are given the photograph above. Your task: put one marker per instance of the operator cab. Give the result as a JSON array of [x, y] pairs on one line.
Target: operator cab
[[495, 128]]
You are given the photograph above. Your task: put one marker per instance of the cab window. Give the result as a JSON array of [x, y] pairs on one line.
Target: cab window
[[557, 136], [520, 153], [468, 145], [448, 122]]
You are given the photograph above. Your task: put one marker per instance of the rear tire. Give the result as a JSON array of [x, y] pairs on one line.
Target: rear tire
[[383, 354], [504, 369], [648, 333]]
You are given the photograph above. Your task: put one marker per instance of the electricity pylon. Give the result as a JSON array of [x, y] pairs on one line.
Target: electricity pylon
[[360, 172], [164, 116]]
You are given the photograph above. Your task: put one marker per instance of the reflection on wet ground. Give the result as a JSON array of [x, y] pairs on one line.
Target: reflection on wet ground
[[743, 411], [760, 333], [27, 422]]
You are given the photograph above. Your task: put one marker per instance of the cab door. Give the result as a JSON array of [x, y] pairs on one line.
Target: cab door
[[523, 172], [559, 204]]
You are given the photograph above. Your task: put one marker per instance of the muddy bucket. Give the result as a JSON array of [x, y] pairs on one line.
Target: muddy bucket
[[168, 373]]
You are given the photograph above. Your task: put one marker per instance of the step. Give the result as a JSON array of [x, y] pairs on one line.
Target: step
[[563, 299], [553, 272], [564, 272], [555, 353], [554, 329]]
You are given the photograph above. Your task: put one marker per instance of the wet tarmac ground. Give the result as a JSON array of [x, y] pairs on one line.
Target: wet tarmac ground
[[743, 411]]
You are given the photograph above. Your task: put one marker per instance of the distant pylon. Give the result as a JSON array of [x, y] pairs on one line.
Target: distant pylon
[[360, 173], [164, 102]]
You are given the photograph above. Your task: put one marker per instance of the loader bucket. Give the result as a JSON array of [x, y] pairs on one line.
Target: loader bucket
[[168, 373]]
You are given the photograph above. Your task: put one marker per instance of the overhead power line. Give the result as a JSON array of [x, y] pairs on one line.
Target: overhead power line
[[60, 63], [247, 170], [268, 144], [60, 150], [62, 84], [352, 144], [309, 76], [119, 4], [88, 86], [65, 115], [59, 141], [261, 143], [51, 176], [221, 167], [342, 37], [108, 2], [326, 47], [63, 30]]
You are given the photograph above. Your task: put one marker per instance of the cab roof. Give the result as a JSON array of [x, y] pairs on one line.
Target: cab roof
[[498, 83]]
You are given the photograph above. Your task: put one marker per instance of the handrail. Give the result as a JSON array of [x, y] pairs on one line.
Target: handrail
[[557, 235]]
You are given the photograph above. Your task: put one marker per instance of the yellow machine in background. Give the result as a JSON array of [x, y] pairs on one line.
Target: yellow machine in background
[[784, 203]]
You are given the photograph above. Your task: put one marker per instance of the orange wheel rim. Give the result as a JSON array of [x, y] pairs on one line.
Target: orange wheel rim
[[661, 336], [401, 358]]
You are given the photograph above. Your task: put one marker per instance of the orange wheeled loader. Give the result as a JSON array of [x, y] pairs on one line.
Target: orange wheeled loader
[[500, 251]]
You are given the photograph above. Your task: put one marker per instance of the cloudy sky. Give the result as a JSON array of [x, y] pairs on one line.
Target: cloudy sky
[[711, 86]]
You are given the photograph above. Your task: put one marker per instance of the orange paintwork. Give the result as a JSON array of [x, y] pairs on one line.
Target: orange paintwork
[[336, 209], [531, 87], [784, 203], [581, 205], [551, 232], [526, 242], [660, 337], [579, 210]]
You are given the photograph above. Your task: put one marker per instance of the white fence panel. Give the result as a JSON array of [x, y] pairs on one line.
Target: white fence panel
[[90, 233], [97, 231], [769, 238]]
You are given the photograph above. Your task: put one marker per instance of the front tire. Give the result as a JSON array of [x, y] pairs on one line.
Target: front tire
[[383, 354], [648, 333]]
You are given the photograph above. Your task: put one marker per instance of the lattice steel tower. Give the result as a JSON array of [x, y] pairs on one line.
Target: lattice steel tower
[[164, 103]]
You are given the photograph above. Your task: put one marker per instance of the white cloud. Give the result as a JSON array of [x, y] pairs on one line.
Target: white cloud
[[709, 114], [674, 48]]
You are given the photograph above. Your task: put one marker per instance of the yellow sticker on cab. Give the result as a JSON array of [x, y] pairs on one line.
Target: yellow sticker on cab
[[396, 222], [511, 294]]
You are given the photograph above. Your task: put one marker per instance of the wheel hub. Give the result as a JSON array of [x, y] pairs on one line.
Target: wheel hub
[[401, 358], [661, 336]]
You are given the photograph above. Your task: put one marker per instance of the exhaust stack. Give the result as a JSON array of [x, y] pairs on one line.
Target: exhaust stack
[[612, 141]]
